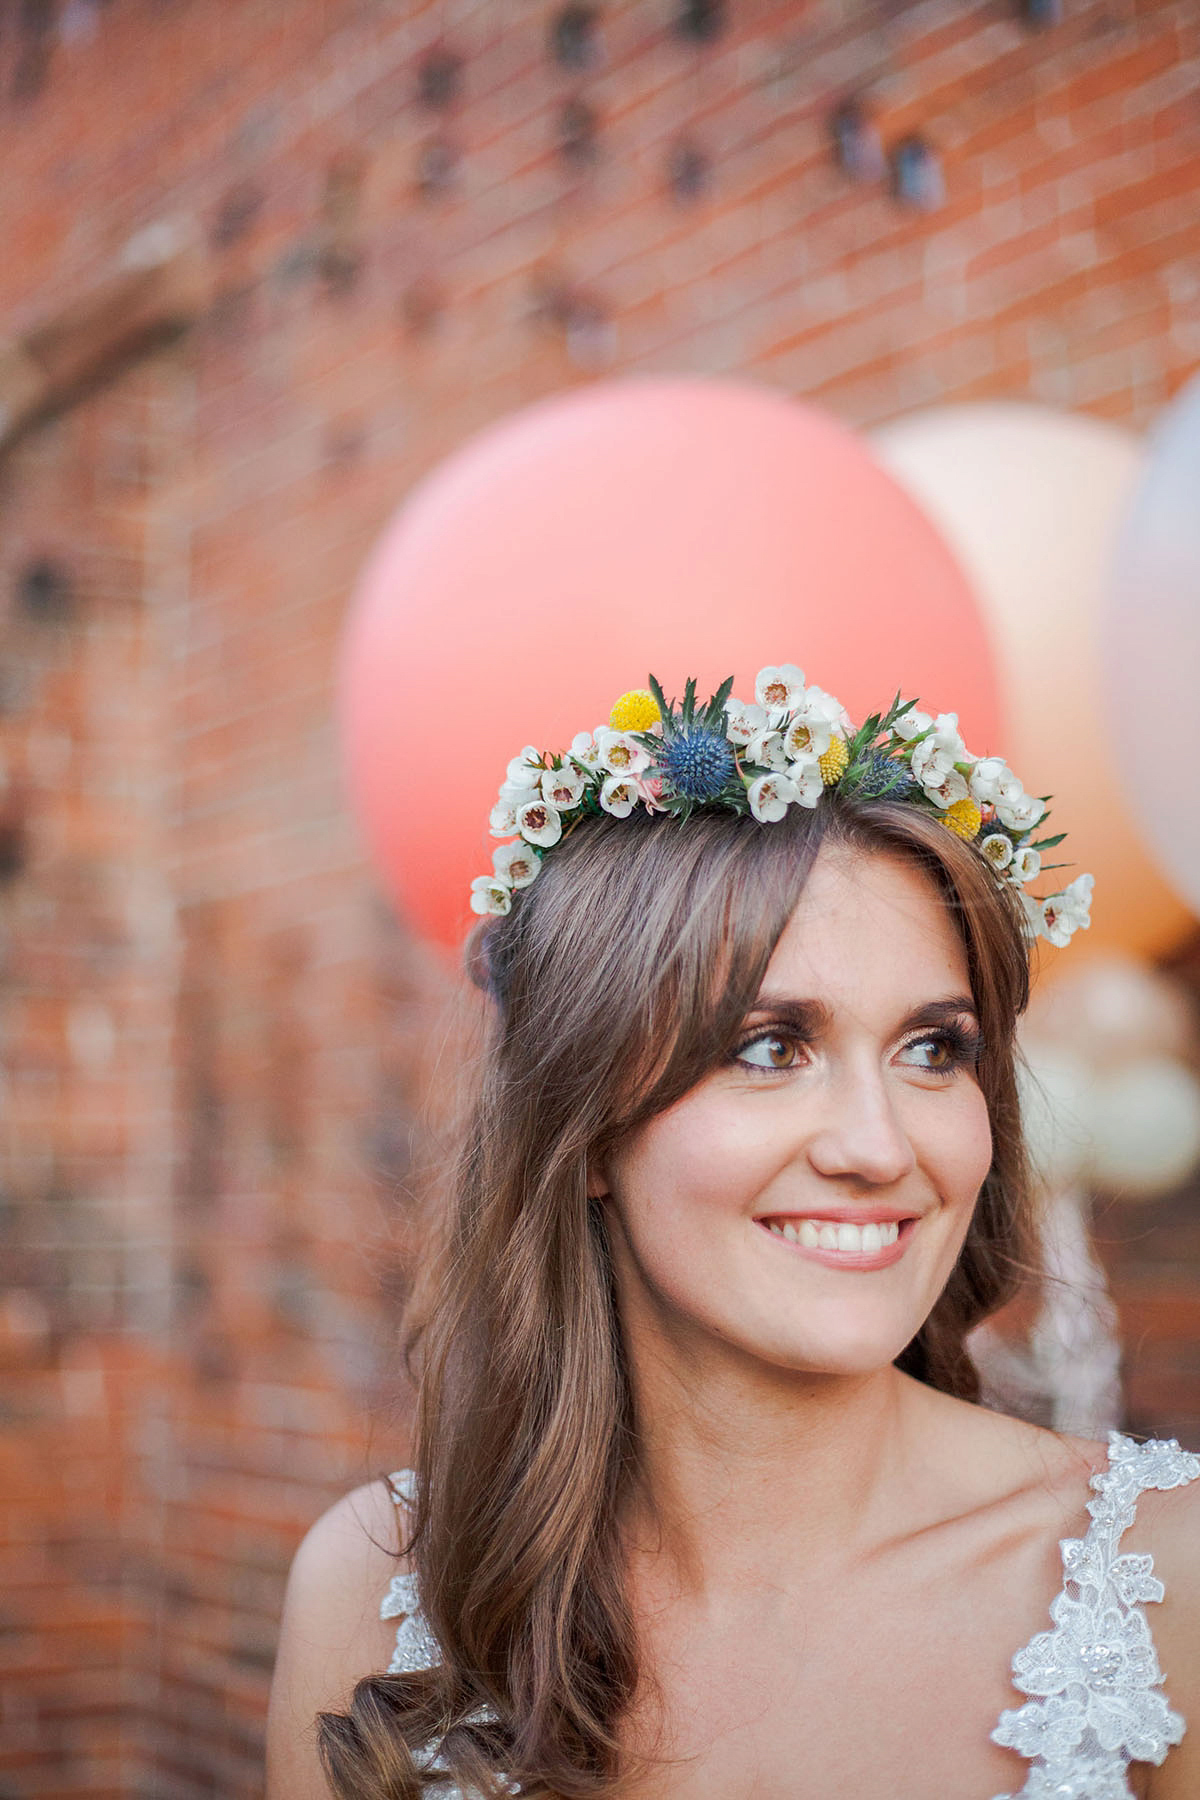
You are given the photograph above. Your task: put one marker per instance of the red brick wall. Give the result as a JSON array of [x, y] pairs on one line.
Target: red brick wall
[[213, 1035]]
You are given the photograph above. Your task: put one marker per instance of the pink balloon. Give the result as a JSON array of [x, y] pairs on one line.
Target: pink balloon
[[1151, 644], [674, 526]]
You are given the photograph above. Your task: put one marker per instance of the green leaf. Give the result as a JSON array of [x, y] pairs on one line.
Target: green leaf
[[1049, 843], [863, 738], [665, 707], [714, 712]]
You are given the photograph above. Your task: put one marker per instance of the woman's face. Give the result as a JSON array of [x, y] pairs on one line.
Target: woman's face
[[851, 1100]]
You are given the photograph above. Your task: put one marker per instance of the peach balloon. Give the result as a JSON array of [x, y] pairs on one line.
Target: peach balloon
[[1032, 500], [674, 526]]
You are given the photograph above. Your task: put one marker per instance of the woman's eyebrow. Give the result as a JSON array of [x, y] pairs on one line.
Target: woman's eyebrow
[[810, 1017], [940, 1012]]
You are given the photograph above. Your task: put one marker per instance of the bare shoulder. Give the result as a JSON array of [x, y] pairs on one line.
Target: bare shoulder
[[1168, 1526], [993, 1461], [331, 1634]]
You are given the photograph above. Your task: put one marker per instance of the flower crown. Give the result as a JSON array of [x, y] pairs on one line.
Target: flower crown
[[784, 749]]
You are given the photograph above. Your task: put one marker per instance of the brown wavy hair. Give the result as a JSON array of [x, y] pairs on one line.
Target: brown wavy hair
[[620, 979]]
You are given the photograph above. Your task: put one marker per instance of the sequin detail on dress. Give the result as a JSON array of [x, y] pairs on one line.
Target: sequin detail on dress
[[416, 1646], [1098, 1703]]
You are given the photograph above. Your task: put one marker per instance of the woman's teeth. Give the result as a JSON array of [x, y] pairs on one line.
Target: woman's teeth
[[825, 1234]]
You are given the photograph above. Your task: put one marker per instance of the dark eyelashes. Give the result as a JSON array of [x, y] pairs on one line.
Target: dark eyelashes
[[963, 1043]]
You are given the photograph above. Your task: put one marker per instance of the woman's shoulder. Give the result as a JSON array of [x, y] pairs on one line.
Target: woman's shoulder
[[331, 1634], [989, 1460], [1139, 1500]]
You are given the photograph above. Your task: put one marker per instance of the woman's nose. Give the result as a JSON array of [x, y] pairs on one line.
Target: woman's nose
[[859, 1135]]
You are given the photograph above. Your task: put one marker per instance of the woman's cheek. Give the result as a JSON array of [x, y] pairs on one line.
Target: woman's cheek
[[705, 1157]]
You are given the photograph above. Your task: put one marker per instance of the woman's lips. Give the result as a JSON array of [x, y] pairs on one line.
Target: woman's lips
[[850, 1259]]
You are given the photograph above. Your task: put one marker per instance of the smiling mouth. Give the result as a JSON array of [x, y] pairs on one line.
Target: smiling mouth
[[868, 1238]]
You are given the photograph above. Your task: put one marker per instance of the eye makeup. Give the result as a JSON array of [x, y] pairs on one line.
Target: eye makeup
[[791, 1026]]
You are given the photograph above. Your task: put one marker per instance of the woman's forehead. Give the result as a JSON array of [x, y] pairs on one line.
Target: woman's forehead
[[868, 922]]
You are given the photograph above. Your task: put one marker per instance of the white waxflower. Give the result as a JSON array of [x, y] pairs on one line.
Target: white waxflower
[[997, 848], [779, 690], [539, 823], [829, 707], [619, 796], [585, 749], [945, 789], [520, 773], [1064, 914], [810, 730], [517, 864], [806, 777], [911, 724], [490, 895], [563, 788], [502, 821], [992, 780], [770, 796], [807, 737], [619, 752], [1020, 813], [936, 755], [1032, 910], [517, 791], [743, 721], [766, 749], [1027, 864]]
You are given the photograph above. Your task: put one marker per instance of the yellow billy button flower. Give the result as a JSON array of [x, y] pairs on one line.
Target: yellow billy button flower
[[635, 711], [832, 763], [963, 818]]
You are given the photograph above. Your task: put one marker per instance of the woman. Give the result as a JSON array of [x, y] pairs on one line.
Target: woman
[[704, 1501]]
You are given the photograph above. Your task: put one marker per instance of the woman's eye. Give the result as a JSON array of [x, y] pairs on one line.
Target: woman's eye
[[942, 1053], [770, 1051]]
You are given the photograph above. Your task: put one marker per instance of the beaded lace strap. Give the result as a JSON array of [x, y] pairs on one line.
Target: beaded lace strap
[[416, 1646], [1098, 1703]]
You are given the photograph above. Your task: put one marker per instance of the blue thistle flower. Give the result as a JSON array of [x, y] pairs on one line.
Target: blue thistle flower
[[697, 762], [885, 777]]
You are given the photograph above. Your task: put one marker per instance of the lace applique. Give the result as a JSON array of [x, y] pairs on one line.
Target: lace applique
[[1098, 1703], [416, 1646]]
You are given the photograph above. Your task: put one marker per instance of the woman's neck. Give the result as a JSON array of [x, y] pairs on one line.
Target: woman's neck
[[744, 1467]]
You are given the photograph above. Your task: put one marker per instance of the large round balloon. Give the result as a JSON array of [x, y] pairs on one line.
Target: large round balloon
[[674, 526], [1031, 500], [1151, 645]]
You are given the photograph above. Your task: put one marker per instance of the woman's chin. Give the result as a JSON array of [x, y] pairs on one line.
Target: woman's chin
[[844, 1355]]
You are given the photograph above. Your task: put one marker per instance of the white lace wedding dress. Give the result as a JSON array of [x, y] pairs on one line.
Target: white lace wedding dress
[[1096, 1700]]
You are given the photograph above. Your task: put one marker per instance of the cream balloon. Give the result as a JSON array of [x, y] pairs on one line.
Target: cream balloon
[[1145, 1127], [1032, 500], [1055, 1089], [1112, 1010]]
